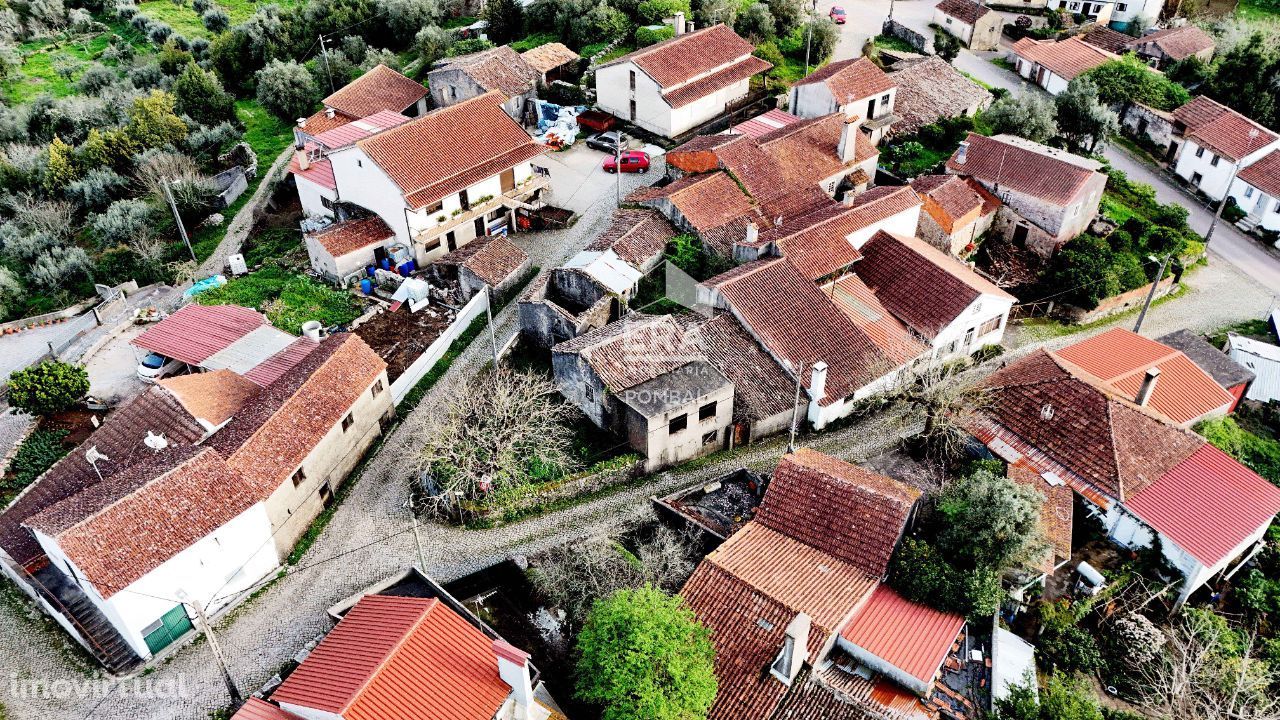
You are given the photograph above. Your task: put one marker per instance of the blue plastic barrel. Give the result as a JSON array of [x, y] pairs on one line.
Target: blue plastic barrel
[[386, 263], [366, 286], [371, 270]]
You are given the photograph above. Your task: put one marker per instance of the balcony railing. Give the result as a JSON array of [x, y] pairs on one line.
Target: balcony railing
[[509, 199]]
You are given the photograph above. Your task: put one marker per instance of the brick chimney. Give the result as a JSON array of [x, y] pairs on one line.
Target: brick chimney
[[513, 668], [849, 139], [1148, 386], [818, 381]]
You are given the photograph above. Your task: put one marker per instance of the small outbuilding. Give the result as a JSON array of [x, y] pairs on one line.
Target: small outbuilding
[[494, 262], [342, 250]]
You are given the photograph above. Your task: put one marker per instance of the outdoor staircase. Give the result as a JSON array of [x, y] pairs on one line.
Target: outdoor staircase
[[102, 640], [1249, 222]]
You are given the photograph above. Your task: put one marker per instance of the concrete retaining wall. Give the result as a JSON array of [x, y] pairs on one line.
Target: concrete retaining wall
[[427, 360]]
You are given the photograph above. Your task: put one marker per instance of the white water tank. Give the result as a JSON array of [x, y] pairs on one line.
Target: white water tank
[[311, 330]]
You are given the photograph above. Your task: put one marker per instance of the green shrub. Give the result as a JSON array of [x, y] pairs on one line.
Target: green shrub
[[48, 388], [33, 457], [646, 35], [1063, 642], [288, 300], [921, 574]]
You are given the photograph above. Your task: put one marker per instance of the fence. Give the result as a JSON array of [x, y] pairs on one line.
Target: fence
[[427, 360]]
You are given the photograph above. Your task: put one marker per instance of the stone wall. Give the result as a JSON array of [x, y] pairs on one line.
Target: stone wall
[[1147, 125], [893, 28], [1112, 305]]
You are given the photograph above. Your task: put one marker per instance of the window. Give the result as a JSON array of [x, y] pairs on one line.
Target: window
[[633, 109], [590, 394], [707, 411], [709, 438], [1276, 208], [433, 245], [1248, 192], [434, 209], [948, 21], [989, 326], [1122, 6], [1199, 152], [299, 476], [633, 79], [1213, 162], [377, 387], [678, 423], [359, 163], [347, 422], [1196, 178]]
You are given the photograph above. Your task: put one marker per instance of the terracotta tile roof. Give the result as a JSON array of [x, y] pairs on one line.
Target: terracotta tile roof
[[1064, 58], [857, 301], [1178, 43], [883, 203], [704, 87], [930, 89], [760, 174], [255, 709], [808, 151], [1108, 40], [924, 287], [122, 529], [841, 509], [705, 201], [196, 332], [271, 369], [120, 439], [1200, 110], [1208, 504], [636, 236], [548, 57], [269, 438], [966, 11], [493, 259], [319, 171], [816, 241], [850, 80], [1225, 371], [1120, 358], [1264, 173], [633, 350], [321, 122], [499, 68], [1232, 135], [953, 198], [451, 148], [831, 693], [786, 312], [911, 637], [1056, 513], [765, 123], [687, 56], [351, 132], [1055, 178], [211, 396], [381, 88], [761, 388], [351, 235], [1106, 445], [400, 657]]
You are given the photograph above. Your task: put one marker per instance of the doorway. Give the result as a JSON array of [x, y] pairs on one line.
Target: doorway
[[508, 179], [479, 223], [1020, 233]]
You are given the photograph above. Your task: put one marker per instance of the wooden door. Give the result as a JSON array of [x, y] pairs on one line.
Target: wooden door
[[508, 179]]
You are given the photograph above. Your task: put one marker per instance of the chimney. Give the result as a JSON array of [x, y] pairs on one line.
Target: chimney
[[304, 161], [818, 381], [311, 330], [795, 647], [962, 152], [688, 27], [513, 668], [1148, 386], [753, 233], [849, 139], [302, 122], [328, 112], [678, 24]]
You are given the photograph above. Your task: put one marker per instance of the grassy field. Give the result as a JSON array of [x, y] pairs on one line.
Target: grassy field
[[53, 65], [1266, 11], [179, 14]]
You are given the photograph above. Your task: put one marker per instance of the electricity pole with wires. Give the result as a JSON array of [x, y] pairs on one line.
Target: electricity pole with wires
[[236, 698], [1164, 263], [1222, 204], [327, 71], [808, 40]]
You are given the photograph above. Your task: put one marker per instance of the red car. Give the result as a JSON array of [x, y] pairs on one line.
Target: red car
[[837, 15], [633, 161]]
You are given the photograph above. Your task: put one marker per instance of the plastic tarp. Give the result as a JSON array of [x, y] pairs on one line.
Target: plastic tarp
[[413, 291], [557, 124], [1012, 658]]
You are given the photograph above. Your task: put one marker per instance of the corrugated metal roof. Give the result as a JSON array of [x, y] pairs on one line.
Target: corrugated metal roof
[[357, 130], [1208, 504], [196, 332], [270, 370], [249, 351], [913, 638], [398, 657], [607, 269]]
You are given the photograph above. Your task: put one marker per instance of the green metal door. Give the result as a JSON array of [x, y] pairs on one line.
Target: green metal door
[[173, 625]]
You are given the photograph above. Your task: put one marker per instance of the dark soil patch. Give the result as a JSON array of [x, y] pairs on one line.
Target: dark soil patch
[[400, 337], [1017, 270], [78, 424]]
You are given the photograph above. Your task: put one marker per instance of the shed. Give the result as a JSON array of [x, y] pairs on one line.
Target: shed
[[493, 262], [1263, 359], [552, 61], [1231, 375], [606, 268], [343, 249]]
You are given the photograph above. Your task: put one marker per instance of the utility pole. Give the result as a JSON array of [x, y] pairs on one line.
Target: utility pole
[[417, 539], [808, 37], [617, 168], [1151, 295], [488, 311], [182, 229], [232, 690], [1221, 205], [325, 52]]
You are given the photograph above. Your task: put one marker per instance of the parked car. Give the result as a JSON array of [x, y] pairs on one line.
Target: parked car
[[631, 161], [606, 141], [837, 15], [155, 366]]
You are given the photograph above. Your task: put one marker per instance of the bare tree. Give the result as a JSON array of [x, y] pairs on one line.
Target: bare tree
[[495, 430], [949, 403], [1206, 670]]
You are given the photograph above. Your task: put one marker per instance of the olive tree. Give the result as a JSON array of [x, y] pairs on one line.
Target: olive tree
[[287, 89]]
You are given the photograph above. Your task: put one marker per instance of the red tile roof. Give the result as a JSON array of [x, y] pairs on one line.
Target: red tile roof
[[639, 237], [1064, 58], [321, 122], [633, 350], [857, 301], [1178, 43], [196, 332], [124, 528], [492, 259], [954, 198], [1232, 135], [271, 369], [1120, 358], [930, 89], [255, 709], [1052, 176], [911, 637], [351, 132], [1104, 38], [761, 388], [1208, 504], [706, 201], [1202, 109], [400, 657], [791, 317], [808, 151], [687, 56], [211, 396], [966, 11], [765, 123], [381, 88], [841, 509], [351, 235], [851, 80], [704, 87], [449, 149], [923, 286], [816, 241], [1264, 173], [319, 171]]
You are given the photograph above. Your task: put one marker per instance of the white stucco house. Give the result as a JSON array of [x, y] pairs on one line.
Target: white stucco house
[[1218, 143], [1054, 64], [677, 85], [1256, 191], [973, 23], [858, 88]]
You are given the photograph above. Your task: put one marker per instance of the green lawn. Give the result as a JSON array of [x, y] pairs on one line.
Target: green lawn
[[890, 42], [1265, 11], [186, 21], [53, 65], [288, 299], [458, 22]]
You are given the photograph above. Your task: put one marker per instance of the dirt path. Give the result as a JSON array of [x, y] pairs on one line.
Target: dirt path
[[240, 225]]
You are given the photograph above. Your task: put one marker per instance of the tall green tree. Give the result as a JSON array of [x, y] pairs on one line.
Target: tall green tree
[[1128, 79], [287, 89], [199, 95], [991, 521], [1029, 115], [1244, 79], [48, 388], [1082, 119], [506, 20], [644, 656]]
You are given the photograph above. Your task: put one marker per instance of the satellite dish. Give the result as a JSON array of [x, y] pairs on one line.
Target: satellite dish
[[155, 442]]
